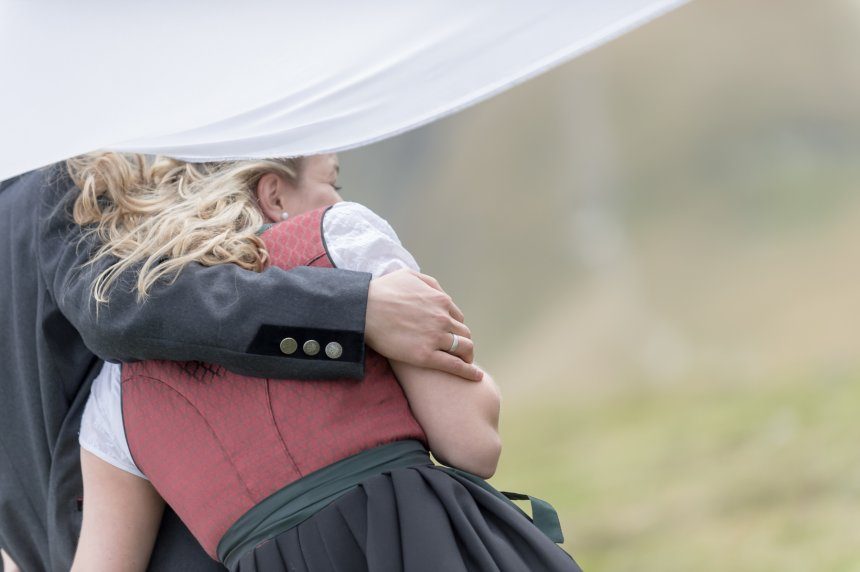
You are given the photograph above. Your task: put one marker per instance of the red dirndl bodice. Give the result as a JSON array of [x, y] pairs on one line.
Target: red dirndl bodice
[[214, 443]]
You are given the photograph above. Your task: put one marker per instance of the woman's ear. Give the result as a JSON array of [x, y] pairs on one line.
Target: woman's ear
[[271, 197]]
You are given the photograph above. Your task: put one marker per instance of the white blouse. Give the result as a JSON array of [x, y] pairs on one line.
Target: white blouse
[[356, 239]]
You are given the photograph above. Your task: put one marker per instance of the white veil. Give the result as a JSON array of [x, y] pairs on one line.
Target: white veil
[[262, 78]]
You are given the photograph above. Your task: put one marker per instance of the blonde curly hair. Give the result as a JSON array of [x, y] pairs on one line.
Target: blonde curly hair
[[162, 214]]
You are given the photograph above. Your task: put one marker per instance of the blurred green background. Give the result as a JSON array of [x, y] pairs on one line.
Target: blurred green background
[[657, 247]]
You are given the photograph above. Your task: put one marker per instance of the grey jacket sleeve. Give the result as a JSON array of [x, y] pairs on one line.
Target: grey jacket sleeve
[[220, 314]]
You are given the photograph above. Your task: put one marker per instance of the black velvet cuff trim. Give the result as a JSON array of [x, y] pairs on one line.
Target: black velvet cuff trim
[[267, 342]]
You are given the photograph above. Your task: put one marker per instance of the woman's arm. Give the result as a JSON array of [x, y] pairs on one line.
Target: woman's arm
[[122, 513], [461, 420], [8, 564]]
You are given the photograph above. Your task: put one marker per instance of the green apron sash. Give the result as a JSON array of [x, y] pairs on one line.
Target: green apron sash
[[544, 516], [303, 498]]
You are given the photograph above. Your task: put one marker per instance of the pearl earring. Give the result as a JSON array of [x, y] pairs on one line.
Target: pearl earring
[[285, 215]]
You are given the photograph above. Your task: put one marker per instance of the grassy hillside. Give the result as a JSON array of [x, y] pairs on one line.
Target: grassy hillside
[[704, 477]]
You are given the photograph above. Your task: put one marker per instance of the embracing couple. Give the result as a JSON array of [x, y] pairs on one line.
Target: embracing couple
[[278, 370]]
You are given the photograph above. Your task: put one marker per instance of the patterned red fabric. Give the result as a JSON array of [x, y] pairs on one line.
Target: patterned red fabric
[[214, 443]]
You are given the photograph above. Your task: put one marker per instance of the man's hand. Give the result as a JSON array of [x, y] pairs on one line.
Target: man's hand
[[411, 319]]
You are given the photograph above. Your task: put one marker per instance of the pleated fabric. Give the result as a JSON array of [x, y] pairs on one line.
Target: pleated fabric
[[414, 519]]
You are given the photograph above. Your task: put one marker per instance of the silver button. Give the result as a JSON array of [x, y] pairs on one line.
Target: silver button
[[333, 350], [311, 347], [289, 346]]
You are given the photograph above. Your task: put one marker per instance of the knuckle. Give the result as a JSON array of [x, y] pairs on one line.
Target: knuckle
[[440, 298]]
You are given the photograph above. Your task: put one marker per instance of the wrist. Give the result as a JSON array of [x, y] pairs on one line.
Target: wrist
[[369, 313]]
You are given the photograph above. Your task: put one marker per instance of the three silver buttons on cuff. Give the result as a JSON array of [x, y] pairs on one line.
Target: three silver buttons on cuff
[[311, 348]]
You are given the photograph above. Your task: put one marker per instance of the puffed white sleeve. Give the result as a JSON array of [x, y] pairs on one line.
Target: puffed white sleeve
[[102, 431], [357, 238]]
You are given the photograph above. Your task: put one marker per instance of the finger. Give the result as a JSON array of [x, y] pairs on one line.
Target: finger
[[452, 308], [443, 361], [455, 312], [430, 281], [465, 349], [460, 329]]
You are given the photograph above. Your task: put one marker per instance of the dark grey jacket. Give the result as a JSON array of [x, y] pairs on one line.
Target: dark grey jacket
[[52, 343]]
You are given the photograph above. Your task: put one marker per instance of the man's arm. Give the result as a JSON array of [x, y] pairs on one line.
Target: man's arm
[[233, 317]]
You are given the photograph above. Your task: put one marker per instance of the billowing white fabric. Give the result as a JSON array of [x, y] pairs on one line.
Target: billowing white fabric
[[356, 238], [263, 78]]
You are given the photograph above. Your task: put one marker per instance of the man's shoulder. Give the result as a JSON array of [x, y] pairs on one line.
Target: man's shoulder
[[50, 176], [39, 195]]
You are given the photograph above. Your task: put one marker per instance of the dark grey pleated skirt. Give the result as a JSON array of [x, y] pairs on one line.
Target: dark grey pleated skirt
[[412, 519]]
